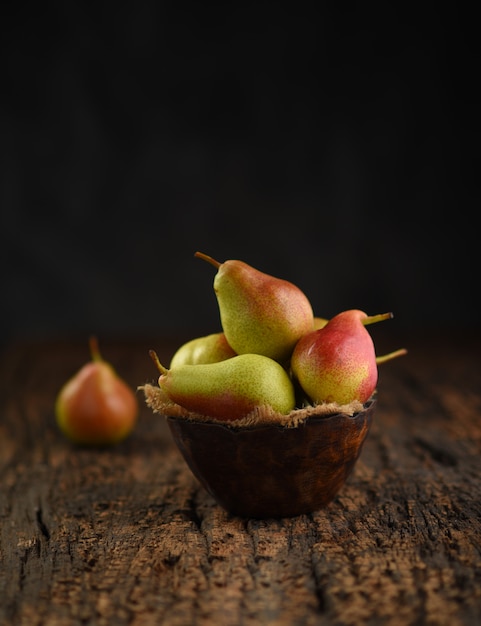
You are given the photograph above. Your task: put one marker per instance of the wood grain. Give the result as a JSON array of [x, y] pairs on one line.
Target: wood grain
[[128, 536]]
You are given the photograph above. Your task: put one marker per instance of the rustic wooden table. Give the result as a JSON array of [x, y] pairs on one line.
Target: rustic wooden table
[[128, 536]]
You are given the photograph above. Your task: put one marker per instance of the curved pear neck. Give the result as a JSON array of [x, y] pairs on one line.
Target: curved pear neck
[[208, 258]]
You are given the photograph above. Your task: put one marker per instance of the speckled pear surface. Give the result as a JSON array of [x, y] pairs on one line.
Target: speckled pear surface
[[260, 313], [337, 363], [230, 389]]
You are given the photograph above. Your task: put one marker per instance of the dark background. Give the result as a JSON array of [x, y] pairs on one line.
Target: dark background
[[329, 148]]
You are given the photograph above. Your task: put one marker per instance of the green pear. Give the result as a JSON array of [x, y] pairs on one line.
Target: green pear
[[260, 314], [228, 390], [337, 362], [208, 349]]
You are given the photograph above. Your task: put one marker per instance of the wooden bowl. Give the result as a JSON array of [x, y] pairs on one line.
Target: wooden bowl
[[273, 471]]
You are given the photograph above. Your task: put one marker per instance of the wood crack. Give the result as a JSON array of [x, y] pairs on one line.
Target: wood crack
[[42, 526], [128, 536]]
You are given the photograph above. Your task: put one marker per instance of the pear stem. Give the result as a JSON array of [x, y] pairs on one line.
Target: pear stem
[[372, 319], [392, 355], [94, 349], [208, 258], [153, 355]]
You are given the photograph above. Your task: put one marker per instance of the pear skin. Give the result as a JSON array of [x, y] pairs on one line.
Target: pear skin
[[229, 390], [260, 314], [95, 406], [319, 322], [337, 363], [208, 349]]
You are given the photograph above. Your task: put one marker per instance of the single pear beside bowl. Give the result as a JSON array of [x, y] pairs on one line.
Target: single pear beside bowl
[[207, 349], [337, 362], [260, 314], [96, 407], [231, 389]]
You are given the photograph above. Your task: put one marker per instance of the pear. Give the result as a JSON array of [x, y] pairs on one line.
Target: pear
[[228, 390], [208, 349], [337, 362], [260, 314], [95, 406], [319, 322]]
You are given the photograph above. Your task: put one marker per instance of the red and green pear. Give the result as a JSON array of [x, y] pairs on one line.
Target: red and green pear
[[260, 314], [337, 362], [95, 406], [228, 390]]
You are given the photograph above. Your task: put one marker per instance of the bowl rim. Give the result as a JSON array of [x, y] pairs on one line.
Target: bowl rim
[[310, 419]]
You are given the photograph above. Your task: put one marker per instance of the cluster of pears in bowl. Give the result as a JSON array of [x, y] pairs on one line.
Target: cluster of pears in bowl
[[271, 412]]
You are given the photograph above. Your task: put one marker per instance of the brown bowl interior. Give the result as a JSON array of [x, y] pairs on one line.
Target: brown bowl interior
[[273, 471]]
